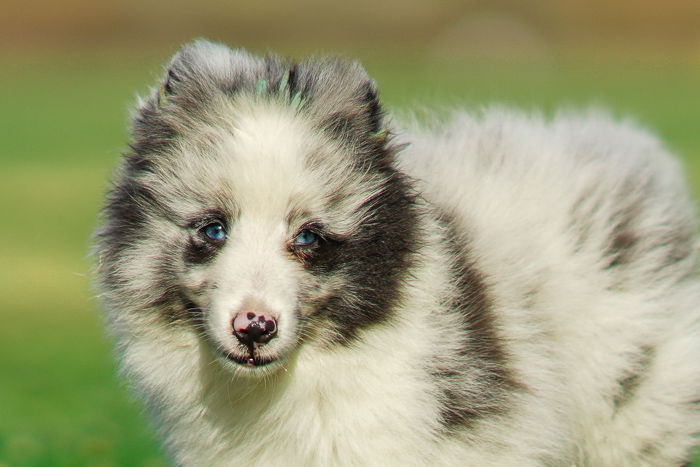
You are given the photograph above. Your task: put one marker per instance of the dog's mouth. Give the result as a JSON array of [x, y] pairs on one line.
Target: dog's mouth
[[249, 361], [255, 355]]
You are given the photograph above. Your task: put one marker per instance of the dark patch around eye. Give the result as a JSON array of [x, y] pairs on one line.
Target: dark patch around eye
[[199, 251], [199, 248], [372, 262], [318, 256]]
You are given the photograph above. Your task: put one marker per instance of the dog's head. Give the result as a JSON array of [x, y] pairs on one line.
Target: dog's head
[[258, 206]]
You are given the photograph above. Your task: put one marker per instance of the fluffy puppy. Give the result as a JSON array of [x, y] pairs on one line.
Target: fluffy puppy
[[289, 281]]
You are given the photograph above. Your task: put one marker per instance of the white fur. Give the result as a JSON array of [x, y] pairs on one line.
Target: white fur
[[512, 181]]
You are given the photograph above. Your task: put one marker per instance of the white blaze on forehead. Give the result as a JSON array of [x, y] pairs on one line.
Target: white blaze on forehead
[[266, 153], [273, 162]]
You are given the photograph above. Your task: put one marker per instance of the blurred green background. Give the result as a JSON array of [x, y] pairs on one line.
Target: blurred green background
[[70, 70]]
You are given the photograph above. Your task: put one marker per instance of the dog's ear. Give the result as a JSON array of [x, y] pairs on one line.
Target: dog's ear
[[344, 100], [199, 72], [337, 94], [201, 69]]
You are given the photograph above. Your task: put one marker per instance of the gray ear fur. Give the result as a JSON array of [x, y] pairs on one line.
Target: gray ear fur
[[336, 94], [339, 93], [198, 71], [203, 67], [342, 96]]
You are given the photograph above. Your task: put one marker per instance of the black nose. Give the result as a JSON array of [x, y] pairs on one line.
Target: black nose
[[249, 328]]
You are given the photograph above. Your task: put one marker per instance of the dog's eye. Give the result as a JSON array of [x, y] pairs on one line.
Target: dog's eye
[[214, 231], [305, 238]]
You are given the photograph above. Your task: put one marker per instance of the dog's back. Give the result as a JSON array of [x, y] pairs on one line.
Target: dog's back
[[585, 234]]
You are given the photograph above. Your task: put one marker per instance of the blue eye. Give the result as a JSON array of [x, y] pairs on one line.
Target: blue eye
[[305, 238], [215, 231]]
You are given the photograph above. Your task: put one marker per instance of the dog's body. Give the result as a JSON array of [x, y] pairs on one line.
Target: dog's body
[[503, 291]]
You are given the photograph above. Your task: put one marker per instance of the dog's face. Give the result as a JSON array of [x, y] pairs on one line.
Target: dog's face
[[259, 207]]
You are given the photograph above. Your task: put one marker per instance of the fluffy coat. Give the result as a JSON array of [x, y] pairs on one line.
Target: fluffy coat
[[491, 290]]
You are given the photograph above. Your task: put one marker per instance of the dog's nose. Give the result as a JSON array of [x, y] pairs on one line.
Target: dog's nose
[[250, 327]]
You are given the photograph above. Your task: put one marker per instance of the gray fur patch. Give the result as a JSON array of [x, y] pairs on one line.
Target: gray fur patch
[[484, 357], [629, 384]]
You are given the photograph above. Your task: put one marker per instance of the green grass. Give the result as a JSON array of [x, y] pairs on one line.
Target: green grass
[[63, 126]]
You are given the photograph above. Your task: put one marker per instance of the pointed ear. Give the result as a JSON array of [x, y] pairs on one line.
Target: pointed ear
[[197, 73], [202, 68], [359, 112], [344, 100]]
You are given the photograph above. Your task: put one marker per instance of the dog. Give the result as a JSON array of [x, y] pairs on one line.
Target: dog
[[291, 277]]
